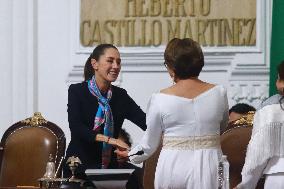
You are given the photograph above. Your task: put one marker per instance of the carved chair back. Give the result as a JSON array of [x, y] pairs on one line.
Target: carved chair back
[[25, 149]]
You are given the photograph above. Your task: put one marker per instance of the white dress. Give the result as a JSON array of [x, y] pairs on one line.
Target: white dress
[[265, 152], [184, 164]]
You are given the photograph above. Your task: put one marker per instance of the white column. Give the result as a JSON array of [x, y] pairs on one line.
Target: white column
[[17, 61]]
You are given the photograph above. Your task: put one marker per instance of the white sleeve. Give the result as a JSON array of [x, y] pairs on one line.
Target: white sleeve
[[152, 136], [249, 181], [256, 160], [225, 120]]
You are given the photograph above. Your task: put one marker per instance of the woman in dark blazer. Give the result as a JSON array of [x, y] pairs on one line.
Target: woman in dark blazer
[[96, 111]]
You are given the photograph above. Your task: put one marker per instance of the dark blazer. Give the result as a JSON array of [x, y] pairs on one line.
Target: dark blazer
[[82, 109]]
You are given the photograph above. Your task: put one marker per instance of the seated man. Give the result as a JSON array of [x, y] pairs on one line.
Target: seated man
[[239, 110], [240, 114], [134, 181]]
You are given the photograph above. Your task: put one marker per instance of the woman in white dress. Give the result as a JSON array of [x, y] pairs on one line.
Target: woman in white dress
[[189, 115], [265, 153]]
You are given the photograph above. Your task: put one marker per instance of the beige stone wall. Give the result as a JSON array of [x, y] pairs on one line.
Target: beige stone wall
[[154, 22]]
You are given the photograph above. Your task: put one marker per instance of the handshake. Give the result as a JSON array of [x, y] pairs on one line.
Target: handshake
[[122, 145], [122, 148]]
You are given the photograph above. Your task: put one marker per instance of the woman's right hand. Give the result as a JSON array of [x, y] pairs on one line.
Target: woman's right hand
[[118, 144], [112, 141]]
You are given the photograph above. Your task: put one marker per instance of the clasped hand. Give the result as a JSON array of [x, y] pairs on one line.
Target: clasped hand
[[121, 151]]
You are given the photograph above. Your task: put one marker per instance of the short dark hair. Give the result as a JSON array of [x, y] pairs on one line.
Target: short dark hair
[[125, 137], [241, 108], [184, 57], [97, 52]]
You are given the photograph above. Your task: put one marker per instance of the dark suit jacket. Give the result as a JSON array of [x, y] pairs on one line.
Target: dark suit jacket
[[82, 109]]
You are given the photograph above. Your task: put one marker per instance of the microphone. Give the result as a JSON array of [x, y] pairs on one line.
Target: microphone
[[140, 152]]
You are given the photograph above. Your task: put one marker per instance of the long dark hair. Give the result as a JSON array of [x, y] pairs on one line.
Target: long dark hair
[[97, 52]]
